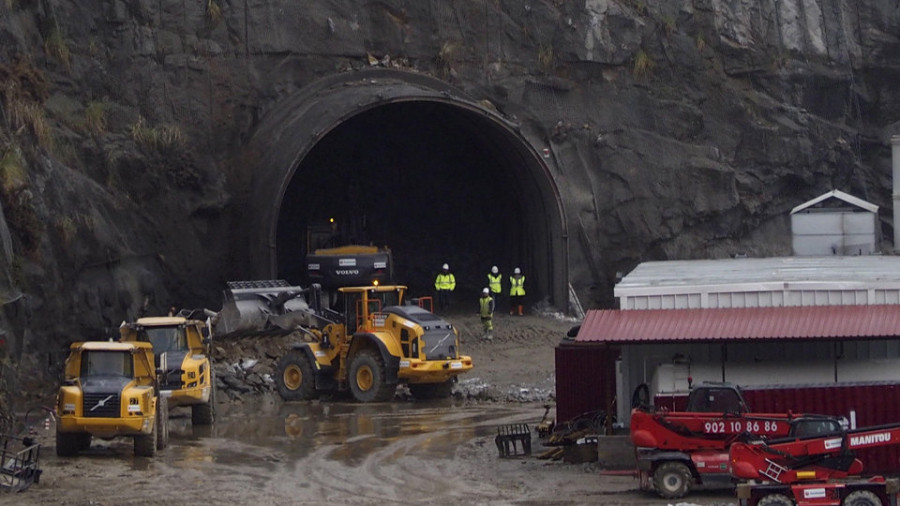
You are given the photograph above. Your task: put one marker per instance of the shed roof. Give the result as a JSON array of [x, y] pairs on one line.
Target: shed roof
[[777, 273], [846, 197], [811, 322]]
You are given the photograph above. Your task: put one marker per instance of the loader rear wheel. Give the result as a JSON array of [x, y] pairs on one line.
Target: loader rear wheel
[[162, 418], [672, 480], [294, 380], [145, 444], [367, 378], [861, 498], [776, 500], [423, 391], [70, 443]]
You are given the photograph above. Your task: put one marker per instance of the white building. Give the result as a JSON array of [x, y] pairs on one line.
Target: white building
[[835, 223]]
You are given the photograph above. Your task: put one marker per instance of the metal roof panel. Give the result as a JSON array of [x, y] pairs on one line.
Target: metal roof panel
[[810, 322]]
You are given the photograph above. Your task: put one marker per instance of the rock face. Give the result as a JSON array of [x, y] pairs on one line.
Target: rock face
[[681, 129]]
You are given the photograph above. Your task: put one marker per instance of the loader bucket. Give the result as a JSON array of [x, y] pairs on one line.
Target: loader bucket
[[262, 307]]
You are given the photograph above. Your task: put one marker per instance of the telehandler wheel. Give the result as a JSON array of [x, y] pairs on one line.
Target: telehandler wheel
[[294, 378], [777, 500], [672, 480], [367, 378], [861, 498], [424, 391], [145, 444], [70, 443], [162, 418]]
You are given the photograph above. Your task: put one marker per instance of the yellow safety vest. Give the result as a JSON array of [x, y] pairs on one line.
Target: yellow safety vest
[[494, 282], [445, 282], [487, 307], [517, 285]]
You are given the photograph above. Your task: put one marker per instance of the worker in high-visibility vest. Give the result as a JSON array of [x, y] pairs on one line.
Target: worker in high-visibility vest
[[444, 284], [517, 292], [494, 284], [486, 311]]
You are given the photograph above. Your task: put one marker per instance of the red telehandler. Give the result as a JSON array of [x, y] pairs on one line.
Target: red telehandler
[[813, 470], [678, 450]]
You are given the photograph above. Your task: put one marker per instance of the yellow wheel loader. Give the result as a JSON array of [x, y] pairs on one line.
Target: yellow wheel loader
[[189, 379], [111, 390], [367, 343]]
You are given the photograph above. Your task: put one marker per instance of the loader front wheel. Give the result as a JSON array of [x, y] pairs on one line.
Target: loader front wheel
[[861, 498], [367, 378], [672, 480], [294, 379]]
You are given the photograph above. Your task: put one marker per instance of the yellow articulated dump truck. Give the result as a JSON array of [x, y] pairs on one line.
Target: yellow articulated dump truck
[[110, 390], [189, 379], [369, 341]]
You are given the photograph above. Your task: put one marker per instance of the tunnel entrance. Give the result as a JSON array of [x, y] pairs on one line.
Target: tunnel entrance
[[435, 180]]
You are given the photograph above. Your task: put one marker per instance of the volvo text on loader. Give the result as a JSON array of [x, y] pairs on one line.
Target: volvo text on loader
[[109, 390], [189, 379]]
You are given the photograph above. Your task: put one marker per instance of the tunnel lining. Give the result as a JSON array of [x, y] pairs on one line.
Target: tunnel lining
[[289, 134]]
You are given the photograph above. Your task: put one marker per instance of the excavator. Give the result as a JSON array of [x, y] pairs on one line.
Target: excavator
[[679, 450], [813, 469]]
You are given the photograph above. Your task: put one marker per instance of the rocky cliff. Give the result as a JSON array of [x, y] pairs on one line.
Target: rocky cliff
[[679, 129]]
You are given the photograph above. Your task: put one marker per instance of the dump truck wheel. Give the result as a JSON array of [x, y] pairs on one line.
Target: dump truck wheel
[[861, 498], [778, 500], [68, 443], [162, 418], [294, 379], [205, 414], [84, 442], [672, 480], [423, 391], [145, 444], [367, 378]]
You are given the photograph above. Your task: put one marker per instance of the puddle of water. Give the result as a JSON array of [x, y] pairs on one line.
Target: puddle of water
[[340, 431]]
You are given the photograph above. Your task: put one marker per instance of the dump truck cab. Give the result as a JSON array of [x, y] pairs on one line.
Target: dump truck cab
[[369, 343], [109, 390], [189, 379]]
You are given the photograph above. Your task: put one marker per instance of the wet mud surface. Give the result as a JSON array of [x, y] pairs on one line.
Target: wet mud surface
[[269, 452], [333, 451]]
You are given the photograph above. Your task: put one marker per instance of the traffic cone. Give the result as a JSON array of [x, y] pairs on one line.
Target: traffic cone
[[520, 311]]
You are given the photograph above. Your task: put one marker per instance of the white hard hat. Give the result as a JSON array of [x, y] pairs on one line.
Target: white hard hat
[[495, 270], [446, 267], [517, 271], [485, 291]]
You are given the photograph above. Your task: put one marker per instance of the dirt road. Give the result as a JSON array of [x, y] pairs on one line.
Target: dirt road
[[265, 451]]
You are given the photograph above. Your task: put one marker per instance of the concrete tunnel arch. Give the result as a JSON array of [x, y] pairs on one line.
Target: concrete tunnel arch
[[395, 150]]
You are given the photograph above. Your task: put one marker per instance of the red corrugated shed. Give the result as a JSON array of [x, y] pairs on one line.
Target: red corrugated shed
[[816, 322], [585, 380]]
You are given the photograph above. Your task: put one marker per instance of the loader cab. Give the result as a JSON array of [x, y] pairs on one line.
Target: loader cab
[[361, 304]]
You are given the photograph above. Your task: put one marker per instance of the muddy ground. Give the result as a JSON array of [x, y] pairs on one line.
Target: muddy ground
[[264, 451]]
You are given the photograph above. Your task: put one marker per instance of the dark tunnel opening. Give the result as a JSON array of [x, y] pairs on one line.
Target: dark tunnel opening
[[433, 182]]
